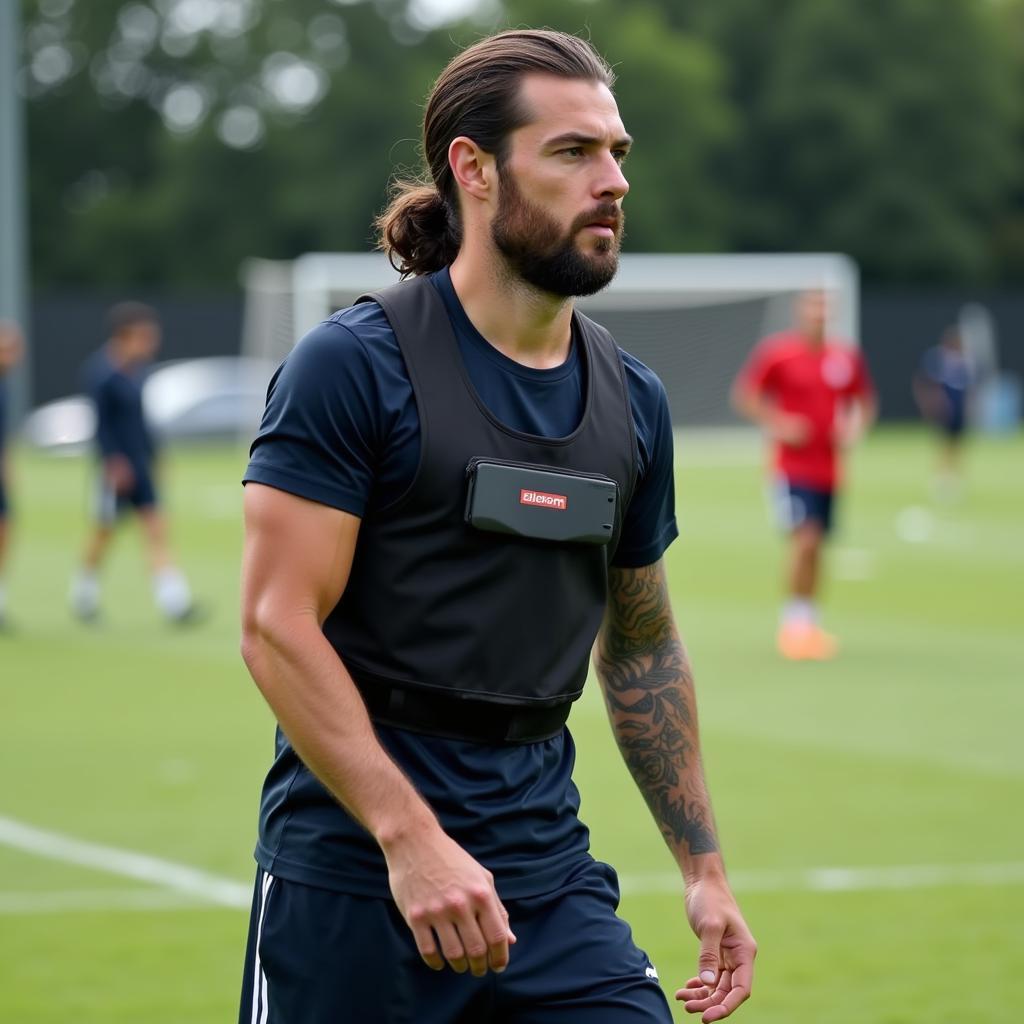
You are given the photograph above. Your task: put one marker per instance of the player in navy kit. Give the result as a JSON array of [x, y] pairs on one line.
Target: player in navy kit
[[942, 387], [11, 349], [420, 854], [114, 378]]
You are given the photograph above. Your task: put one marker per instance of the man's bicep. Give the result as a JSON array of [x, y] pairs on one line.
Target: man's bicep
[[298, 553]]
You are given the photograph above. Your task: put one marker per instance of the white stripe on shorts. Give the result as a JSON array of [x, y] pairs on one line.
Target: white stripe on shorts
[[259, 979]]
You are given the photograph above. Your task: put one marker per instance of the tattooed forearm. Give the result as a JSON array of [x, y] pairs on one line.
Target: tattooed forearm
[[648, 689]]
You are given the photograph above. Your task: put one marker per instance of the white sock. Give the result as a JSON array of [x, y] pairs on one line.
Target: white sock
[[800, 610], [85, 592], [172, 593]]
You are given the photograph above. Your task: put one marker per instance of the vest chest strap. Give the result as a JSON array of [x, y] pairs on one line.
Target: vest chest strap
[[438, 714]]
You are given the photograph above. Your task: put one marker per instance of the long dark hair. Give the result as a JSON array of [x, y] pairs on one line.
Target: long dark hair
[[477, 96]]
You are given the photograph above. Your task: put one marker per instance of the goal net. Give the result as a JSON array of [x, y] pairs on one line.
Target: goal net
[[692, 318]]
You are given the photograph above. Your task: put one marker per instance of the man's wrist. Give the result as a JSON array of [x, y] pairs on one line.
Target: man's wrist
[[703, 867], [409, 826]]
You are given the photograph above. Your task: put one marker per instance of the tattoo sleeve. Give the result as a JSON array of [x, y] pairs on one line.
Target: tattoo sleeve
[[648, 691]]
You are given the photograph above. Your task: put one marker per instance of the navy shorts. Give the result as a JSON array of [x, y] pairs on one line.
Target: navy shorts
[[316, 956], [797, 505], [110, 505], [4, 507], [954, 422]]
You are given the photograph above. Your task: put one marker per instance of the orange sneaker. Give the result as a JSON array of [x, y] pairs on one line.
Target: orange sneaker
[[823, 646], [806, 641]]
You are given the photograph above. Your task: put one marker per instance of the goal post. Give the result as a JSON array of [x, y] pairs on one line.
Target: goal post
[[692, 318]]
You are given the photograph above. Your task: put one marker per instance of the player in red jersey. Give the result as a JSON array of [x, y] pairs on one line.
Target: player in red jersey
[[813, 396]]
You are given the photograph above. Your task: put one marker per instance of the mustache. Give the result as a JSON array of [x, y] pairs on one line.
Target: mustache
[[604, 212]]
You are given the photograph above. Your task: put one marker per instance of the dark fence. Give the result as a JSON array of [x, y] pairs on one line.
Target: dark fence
[[67, 327], [896, 327]]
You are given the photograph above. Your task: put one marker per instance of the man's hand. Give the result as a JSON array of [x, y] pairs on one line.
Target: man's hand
[[853, 422], [785, 427], [450, 903], [790, 429], [727, 951], [119, 473], [849, 433]]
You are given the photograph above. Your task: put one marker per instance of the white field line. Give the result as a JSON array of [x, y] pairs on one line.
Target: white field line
[[839, 879], [814, 880], [182, 886], [178, 877]]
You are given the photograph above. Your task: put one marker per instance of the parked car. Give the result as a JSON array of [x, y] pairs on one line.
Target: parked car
[[219, 397]]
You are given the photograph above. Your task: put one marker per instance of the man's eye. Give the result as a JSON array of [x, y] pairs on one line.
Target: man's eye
[[620, 154], [573, 151]]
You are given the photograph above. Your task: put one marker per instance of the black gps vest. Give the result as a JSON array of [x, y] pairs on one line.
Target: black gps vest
[[434, 604]]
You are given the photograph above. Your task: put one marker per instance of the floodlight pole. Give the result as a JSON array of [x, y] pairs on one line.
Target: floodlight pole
[[13, 198]]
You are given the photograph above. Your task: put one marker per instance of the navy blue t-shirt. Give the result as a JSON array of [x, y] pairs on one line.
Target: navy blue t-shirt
[[341, 428], [951, 371], [121, 427]]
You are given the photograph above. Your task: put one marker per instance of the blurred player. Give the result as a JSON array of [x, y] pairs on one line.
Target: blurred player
[[11, 348], [942, 387], [813, 396], [114, 378]]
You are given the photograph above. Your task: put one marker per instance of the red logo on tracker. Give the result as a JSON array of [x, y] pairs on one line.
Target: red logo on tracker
[[540, 499]]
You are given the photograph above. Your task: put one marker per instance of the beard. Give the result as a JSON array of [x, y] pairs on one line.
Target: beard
[[541, 254]]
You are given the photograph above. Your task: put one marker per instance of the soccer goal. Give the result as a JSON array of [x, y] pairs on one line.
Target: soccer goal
[[692, 318]]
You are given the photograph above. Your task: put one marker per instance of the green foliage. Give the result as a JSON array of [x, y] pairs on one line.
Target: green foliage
[[882, 129], [890, 129], [125, 200], [1009, 226]]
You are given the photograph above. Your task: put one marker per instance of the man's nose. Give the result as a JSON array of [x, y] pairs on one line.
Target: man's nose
[[611, 183]]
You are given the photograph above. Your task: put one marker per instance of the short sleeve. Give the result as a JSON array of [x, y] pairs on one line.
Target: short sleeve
[[649, 526], [321, 431]]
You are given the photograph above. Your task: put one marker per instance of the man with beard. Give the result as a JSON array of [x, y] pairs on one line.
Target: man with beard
[[942, 387], [459, 485]]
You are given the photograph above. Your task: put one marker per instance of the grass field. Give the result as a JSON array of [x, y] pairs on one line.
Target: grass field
[[901, 762]]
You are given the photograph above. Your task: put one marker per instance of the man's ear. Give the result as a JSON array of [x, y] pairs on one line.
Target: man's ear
[[475, 171]]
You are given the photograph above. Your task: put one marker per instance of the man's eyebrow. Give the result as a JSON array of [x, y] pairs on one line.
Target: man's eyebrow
[[580, 139]]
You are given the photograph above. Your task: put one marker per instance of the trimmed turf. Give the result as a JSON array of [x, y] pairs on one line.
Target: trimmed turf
[[905, 751]]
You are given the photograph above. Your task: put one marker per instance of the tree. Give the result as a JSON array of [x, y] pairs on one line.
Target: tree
[[882, 129], [169, 140], [168, 143], [1008, 228]]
